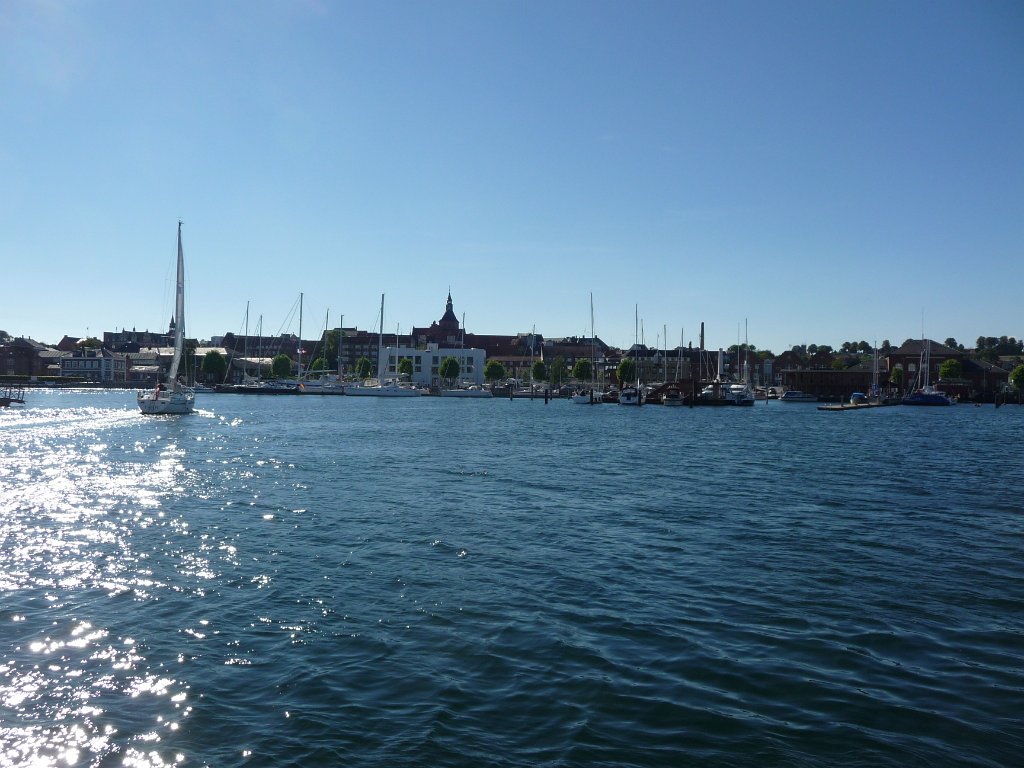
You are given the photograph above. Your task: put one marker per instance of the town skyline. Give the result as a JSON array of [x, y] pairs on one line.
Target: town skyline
[[318, 334]]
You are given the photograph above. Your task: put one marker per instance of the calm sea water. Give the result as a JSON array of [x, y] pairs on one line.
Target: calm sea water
[[350, 581]]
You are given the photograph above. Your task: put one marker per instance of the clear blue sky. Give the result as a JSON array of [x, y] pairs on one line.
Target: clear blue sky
[[823, 171]]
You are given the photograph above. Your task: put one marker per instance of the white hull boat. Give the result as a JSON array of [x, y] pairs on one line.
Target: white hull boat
[[175, 398]]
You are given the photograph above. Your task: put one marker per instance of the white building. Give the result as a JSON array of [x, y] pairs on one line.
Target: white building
[[97, 365], [426, 364]]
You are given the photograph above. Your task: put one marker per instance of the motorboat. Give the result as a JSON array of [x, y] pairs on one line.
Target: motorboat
[[672, 396]]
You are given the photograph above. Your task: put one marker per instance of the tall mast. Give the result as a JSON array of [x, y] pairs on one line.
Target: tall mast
[[245, 346], [299, 372], [380, 343], [664, 333], [179, 315], [593, 348]]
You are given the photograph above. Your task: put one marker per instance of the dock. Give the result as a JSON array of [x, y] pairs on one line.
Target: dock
[[12, 393], [852, 406]]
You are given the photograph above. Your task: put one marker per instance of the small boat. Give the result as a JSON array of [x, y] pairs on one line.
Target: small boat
[[796, 396], [725, 393], [389, 388], [928, 395], [587, 397], [630, 396], [672, 396], [174, 397]]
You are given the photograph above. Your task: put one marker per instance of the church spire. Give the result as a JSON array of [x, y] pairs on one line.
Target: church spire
[[449, 321]]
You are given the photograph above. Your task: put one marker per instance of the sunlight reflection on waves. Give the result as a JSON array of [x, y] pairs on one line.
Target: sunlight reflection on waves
[[76, 490]]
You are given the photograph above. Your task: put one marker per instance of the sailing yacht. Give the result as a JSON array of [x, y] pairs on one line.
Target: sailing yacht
[[174, 397], [381, 388], [927, 394], [632, 394], [590, 396]]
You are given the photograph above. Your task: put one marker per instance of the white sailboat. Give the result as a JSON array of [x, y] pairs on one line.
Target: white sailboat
[[381, 388], [926, 394], [590, 396], [632, 394], [175, 397]]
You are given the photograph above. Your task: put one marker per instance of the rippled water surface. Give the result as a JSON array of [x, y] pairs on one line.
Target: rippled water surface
[[435, 582]]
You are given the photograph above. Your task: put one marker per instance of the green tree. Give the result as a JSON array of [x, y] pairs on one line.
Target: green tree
[[896, 377], [559, 371], [214, 366], [582, 370], [626, 372], [281, 366], [950, 342], [1017, 377], [494, 371], [449, 370], [331, 346], [363, 367], [405, 367], [320, 364], [539, 371], [91, 342], [951, 369]]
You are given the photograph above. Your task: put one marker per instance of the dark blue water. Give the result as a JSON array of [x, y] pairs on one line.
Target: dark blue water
[[435, 582]]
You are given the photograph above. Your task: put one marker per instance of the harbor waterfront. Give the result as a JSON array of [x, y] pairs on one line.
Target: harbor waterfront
[[493, 582]]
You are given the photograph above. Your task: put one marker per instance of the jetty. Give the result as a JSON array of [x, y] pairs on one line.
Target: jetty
[[12, 393], [855, 406]]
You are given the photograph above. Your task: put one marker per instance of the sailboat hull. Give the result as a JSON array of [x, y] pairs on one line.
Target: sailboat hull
[[385, 390], [587, 397], [167, 403]]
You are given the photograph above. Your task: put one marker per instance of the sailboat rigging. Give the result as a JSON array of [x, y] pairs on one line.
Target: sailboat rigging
[[174, 397]]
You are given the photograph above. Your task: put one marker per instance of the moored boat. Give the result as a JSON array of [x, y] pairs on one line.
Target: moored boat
[[926, 394], [672, 396], [630, 396], [472, 391], [381, 387]]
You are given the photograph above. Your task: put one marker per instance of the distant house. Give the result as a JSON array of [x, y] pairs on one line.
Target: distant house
[[427, 364], [95, 364], [68, 343], [979, 380], [23, 357], [133, 341], [143, 368], [832, 383]]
